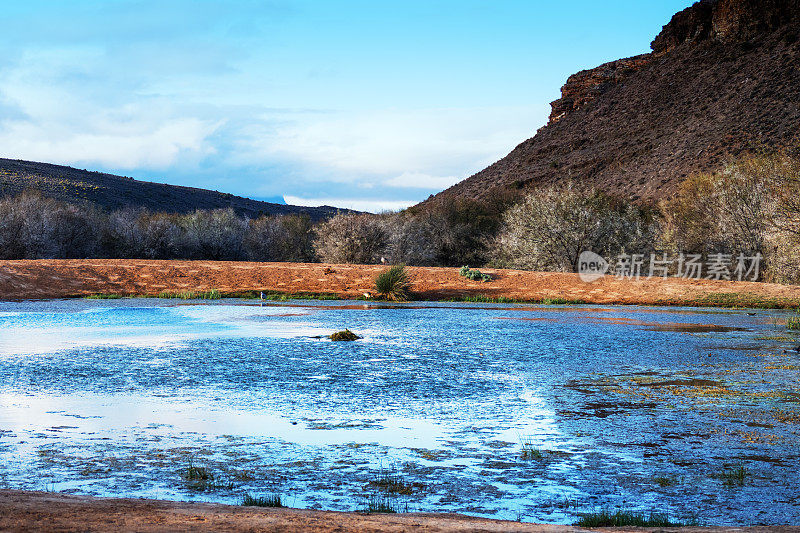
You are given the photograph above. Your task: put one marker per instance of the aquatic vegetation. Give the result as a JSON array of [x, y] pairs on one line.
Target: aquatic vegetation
[[344, 335], [484, 299], [273, 500], [103, 296], [529, 452], [200, 478], [561, 301], [793, 322], [394, 484], [623, 518], [665, 481], [734, 477], [213, 294], [378, 503], [394, 283], [474, 275]]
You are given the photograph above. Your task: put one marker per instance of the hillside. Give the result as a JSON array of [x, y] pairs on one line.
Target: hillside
[[114, 192], [723, 77]]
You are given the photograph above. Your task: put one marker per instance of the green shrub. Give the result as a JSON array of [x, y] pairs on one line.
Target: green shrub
[[474, 275], [394, 284]]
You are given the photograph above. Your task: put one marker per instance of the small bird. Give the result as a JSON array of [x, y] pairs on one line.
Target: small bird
[[367, 295], [262, 295]]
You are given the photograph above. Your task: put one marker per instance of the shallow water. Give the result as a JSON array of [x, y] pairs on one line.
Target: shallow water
[[641, 408]]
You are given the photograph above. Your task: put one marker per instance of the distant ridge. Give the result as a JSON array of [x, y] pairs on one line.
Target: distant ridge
[[723, 78], [112, 192]]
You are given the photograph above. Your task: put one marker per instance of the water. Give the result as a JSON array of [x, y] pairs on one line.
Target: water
[[641, 408]]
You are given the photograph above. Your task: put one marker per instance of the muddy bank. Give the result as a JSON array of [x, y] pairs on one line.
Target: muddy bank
[[44, 511], [36, 279]]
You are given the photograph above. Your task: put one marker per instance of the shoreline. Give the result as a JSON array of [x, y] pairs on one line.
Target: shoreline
[[29, 510], [74, 278]]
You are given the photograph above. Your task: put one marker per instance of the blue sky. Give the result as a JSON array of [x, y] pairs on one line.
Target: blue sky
[[366, 104]]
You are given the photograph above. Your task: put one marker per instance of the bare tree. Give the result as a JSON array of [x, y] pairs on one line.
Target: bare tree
[[352, 238], [280, 238], [553, 226], [217, 234]]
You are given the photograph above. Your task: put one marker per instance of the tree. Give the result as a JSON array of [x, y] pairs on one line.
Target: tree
[[550, 228], [352, 238], [280, 238]]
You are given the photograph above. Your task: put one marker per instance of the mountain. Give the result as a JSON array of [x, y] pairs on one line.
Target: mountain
[[723, 78], [114, 192]]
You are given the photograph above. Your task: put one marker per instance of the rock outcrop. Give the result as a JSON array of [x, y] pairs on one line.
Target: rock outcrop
[[586, 85]]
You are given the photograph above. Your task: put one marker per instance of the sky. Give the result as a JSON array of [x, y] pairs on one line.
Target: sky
[[372, 105]]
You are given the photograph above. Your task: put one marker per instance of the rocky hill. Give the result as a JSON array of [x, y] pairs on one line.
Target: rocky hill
[[723, 77], [114, 192]]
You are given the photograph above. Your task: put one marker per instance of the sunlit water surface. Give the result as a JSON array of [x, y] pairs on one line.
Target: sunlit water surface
[[636, 408]]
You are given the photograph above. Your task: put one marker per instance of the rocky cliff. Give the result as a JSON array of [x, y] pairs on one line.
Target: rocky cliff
[[723, 77]]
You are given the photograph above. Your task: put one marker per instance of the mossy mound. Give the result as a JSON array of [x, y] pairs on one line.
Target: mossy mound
[[345, 335]]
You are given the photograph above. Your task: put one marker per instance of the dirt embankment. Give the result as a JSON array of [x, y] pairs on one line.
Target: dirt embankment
[[61, 278], [42, 511]]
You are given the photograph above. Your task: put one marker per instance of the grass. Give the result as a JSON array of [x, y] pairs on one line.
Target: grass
[[344, 335], [273, 500], [739, 300], [281, 296], [485, 299], [394, 284], [793, 322], [103, 296], [561, 301], [393, 484], [213, 294], [377, 503], [200, 478], [623, 518]]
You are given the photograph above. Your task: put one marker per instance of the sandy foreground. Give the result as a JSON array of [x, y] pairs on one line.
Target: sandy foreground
[[61, 278], [44, 511]]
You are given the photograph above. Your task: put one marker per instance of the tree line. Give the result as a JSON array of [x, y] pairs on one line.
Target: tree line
[[751, 207]]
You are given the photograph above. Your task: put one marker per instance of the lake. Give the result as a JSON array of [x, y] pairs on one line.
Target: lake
[[506, 411]]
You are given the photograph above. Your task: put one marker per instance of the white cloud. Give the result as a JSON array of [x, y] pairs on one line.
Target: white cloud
[[360, 204], [63, 117], [139, 145], [390, 143]]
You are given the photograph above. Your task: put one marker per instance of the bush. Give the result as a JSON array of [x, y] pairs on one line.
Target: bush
[[394, 284], [474, 275], [752, 205], [447, 232], [352, 238]]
